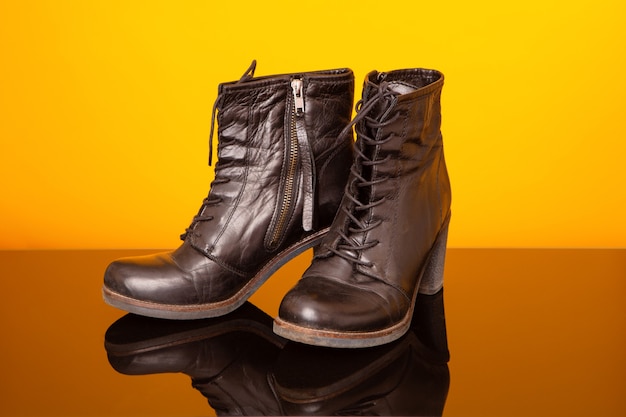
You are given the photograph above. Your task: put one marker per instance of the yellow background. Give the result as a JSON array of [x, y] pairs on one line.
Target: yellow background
[[105, 109]]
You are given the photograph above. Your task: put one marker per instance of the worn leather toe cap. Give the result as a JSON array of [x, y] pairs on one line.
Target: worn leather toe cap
[[153, 278], [326, 304]]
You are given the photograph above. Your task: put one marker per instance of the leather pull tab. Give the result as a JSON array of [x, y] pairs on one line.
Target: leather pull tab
[[249, 74], [308, 175]]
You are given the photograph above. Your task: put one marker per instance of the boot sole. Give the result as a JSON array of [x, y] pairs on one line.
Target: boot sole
[[431, 281], [344, 340], [216, 309]]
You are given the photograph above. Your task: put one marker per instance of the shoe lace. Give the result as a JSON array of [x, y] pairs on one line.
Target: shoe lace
[[222, 163], [348, 247], [213, 199]]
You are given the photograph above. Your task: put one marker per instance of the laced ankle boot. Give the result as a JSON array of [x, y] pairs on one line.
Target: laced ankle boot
[[388, 241], [278, 183]]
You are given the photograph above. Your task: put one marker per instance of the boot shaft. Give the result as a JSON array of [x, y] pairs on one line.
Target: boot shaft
[[403, 126], [398, 195], [257, 112], [278, 152], [416, 192]]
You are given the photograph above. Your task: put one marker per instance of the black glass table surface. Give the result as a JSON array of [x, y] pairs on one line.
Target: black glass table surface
[[531, 332]]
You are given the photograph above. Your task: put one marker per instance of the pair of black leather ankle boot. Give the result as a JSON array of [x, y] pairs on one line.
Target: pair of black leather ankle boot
[[290, 177]]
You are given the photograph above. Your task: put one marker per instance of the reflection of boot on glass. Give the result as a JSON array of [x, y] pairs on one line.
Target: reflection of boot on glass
[[406, 377], [228, 358], [388, 240], [278, 182]]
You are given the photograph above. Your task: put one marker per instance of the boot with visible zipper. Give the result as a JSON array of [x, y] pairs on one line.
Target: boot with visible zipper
[[388, 241], [278, 183]]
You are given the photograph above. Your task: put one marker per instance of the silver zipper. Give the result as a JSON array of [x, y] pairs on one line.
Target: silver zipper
[[297, 87], [288, 196], [306, 156], [299, 149]]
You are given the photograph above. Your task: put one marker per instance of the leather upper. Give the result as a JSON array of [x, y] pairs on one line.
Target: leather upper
[[227, 242], [365, 273]]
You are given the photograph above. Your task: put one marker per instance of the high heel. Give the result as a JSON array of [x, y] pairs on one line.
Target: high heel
[[431, 281]]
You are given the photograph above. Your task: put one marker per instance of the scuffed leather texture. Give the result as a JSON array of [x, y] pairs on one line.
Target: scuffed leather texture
[[411, 183], [228, 246], [176, 277]]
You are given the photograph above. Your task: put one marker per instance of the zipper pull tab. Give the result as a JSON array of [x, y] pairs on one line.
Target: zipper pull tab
[[298, 95]]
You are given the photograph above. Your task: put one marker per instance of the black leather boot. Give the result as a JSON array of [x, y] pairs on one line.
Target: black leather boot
[[388, 241], [278, 183]]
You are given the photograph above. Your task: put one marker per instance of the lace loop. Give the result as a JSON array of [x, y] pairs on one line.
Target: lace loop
[[249, 74], [219, 168], [383, 92], [347, 246], [211, 199]]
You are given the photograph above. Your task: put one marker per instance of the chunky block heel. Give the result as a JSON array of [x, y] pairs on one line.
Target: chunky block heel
[[432, 278]]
